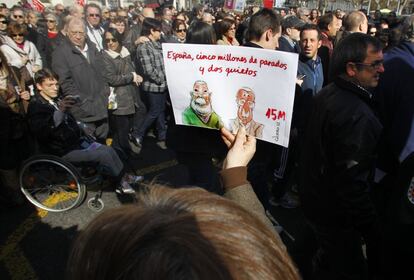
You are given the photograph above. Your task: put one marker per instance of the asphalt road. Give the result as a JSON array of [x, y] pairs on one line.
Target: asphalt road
[[35, 244]]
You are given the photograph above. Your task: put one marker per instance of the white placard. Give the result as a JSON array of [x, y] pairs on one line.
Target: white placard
[[211, 86]]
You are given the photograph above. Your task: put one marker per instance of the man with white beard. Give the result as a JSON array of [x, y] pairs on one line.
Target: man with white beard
[[246, 99], [200, 112]]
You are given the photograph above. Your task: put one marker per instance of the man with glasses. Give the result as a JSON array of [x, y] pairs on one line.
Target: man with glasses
[[76, 63], [93, 25], [337, 163], [17, 15]]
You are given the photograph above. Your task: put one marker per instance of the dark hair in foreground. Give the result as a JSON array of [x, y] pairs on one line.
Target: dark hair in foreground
[[353, 48], [44, 74], [201, 33], [148, 24], [179, 234], [261, 21]]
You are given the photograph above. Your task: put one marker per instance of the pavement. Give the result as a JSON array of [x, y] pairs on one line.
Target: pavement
[[35, 244]]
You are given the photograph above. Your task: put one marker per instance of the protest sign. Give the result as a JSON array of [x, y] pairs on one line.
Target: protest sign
[[211, 86], [239, 5]]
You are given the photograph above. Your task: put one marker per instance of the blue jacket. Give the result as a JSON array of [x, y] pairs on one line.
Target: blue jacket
[[313, 81], [311, 85]]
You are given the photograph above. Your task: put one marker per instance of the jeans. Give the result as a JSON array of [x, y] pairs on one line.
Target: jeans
[[105, 156], [156, 112]]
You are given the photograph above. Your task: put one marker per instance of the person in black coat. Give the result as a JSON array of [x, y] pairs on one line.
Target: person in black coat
[[337, 165]]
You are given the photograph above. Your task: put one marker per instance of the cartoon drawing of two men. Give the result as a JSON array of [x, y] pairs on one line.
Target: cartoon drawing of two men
[[201, 113]]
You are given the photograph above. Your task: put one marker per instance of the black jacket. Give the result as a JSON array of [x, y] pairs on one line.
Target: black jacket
[[57, 140], [285, 46], [338, 158], [81, 76]]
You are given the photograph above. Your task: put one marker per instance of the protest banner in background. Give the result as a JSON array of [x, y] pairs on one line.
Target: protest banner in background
[[239, 5], [211, 86], [228, 4]]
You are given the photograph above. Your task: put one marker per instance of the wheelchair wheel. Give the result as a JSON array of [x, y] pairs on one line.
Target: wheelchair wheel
[[51, 184], [96, 204]]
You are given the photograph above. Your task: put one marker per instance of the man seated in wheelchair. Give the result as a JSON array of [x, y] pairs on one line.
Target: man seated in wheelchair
[[60, 134]]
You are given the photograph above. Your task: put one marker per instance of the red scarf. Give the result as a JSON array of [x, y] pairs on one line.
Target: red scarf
[[20, 45], [51, 34]]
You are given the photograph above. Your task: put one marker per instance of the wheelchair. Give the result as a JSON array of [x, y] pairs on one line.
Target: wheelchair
[[55, 185]]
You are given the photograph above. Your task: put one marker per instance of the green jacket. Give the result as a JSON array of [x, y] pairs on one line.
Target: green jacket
[[191, 118]]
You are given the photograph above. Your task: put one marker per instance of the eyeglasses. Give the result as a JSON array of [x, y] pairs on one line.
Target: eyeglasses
[[17, 35], [4, 21], [73, 33], [374, 65], [113, 40], [18, 16], [51, 20], [181, 30], [94, 15], [372, 33]]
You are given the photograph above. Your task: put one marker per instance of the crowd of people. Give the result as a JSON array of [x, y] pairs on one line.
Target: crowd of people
[[71, 78]]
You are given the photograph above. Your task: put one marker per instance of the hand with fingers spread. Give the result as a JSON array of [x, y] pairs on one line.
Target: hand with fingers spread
[[66, 103], [241, 148]]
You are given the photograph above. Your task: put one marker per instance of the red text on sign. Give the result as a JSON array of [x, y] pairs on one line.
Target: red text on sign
[[275, 114]]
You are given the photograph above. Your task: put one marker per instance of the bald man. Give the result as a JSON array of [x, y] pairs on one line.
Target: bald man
[[355, 21], [246, 100]]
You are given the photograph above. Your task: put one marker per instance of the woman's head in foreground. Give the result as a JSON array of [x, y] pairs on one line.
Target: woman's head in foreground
[[179, 234]]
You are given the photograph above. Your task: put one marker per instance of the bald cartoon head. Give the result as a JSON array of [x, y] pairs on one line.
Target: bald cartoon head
[[201, 99], [245, 99]]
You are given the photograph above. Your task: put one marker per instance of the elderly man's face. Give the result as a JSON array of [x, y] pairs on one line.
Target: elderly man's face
[[200, 99], [76, 34], [245, 103]]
